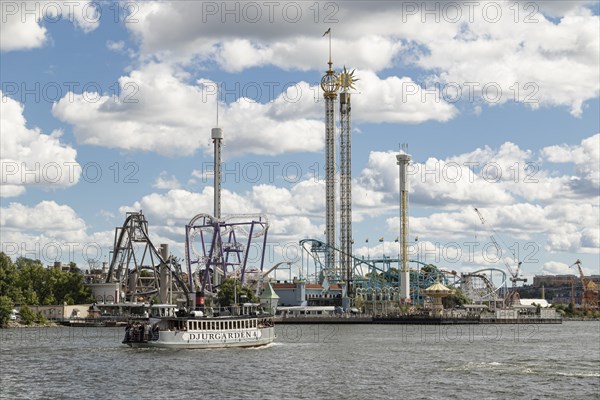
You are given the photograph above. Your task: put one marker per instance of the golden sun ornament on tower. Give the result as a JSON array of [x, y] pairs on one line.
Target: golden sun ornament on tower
[[347, 80]]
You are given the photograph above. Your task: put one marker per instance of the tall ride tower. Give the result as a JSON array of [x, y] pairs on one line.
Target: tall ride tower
[[403, 160], [217, 137], [330, 86], [346, 80]]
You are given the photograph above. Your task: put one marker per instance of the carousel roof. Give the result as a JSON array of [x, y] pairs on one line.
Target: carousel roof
[[436, 288]]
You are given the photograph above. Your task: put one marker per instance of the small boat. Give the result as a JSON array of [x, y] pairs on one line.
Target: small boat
[[197, 331]]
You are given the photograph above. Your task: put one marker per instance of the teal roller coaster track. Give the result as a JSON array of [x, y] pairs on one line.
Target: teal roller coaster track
[[382, 275]]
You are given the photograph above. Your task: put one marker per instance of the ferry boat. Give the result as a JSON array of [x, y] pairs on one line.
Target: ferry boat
[[197, 331]]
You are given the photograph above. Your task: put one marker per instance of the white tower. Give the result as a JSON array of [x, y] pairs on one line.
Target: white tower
[[403, 161]]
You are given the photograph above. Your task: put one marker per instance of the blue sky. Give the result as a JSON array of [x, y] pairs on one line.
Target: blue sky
[[145, 122]]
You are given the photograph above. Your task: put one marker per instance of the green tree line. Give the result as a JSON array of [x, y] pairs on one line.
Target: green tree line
[[28, 282], [231, 288]]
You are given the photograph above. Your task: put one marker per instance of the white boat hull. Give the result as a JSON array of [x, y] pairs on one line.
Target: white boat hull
[[208, 340]]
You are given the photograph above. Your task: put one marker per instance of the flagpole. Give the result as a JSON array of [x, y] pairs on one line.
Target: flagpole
[[329, 44]]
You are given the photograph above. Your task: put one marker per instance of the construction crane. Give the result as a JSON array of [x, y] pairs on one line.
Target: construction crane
[[590, 289], [515, 277], [514, 274]]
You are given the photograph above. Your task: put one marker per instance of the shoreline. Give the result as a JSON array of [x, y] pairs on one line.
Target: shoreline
[[581, 318], [17, 325], [52, 324]]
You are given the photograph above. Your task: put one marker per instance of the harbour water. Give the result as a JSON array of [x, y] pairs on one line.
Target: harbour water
[[312, 362]]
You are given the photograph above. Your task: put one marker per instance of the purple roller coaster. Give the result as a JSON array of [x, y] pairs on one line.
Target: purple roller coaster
[[216, 248]]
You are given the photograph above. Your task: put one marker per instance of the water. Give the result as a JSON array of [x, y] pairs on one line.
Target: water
[[312, 362]]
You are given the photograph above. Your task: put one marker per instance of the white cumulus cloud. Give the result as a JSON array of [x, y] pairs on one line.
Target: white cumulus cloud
[[30, 158], [22, 26], [159, 110]]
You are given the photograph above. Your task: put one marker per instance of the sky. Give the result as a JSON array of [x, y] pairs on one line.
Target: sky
[[107, 107]]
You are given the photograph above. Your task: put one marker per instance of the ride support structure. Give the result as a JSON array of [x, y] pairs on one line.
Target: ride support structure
[[216, 248], [144, 272]]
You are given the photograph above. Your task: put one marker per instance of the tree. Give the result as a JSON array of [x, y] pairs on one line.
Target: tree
[[429, 269], [32, 280], [457, 298], [9, 277], [27, 315], [6, 307], [27, 281], [73, 267], [227, 291]]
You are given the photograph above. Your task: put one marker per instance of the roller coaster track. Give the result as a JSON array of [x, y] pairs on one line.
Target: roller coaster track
[[372, 274], [485, 289], [215, 248]]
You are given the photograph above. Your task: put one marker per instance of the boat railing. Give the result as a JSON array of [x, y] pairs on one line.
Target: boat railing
[[140, 333]]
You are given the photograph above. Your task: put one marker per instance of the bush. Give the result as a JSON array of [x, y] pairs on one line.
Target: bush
[[40, 318], [27, 315]]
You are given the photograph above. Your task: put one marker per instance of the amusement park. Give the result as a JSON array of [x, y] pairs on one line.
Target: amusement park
[[328, 278]]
